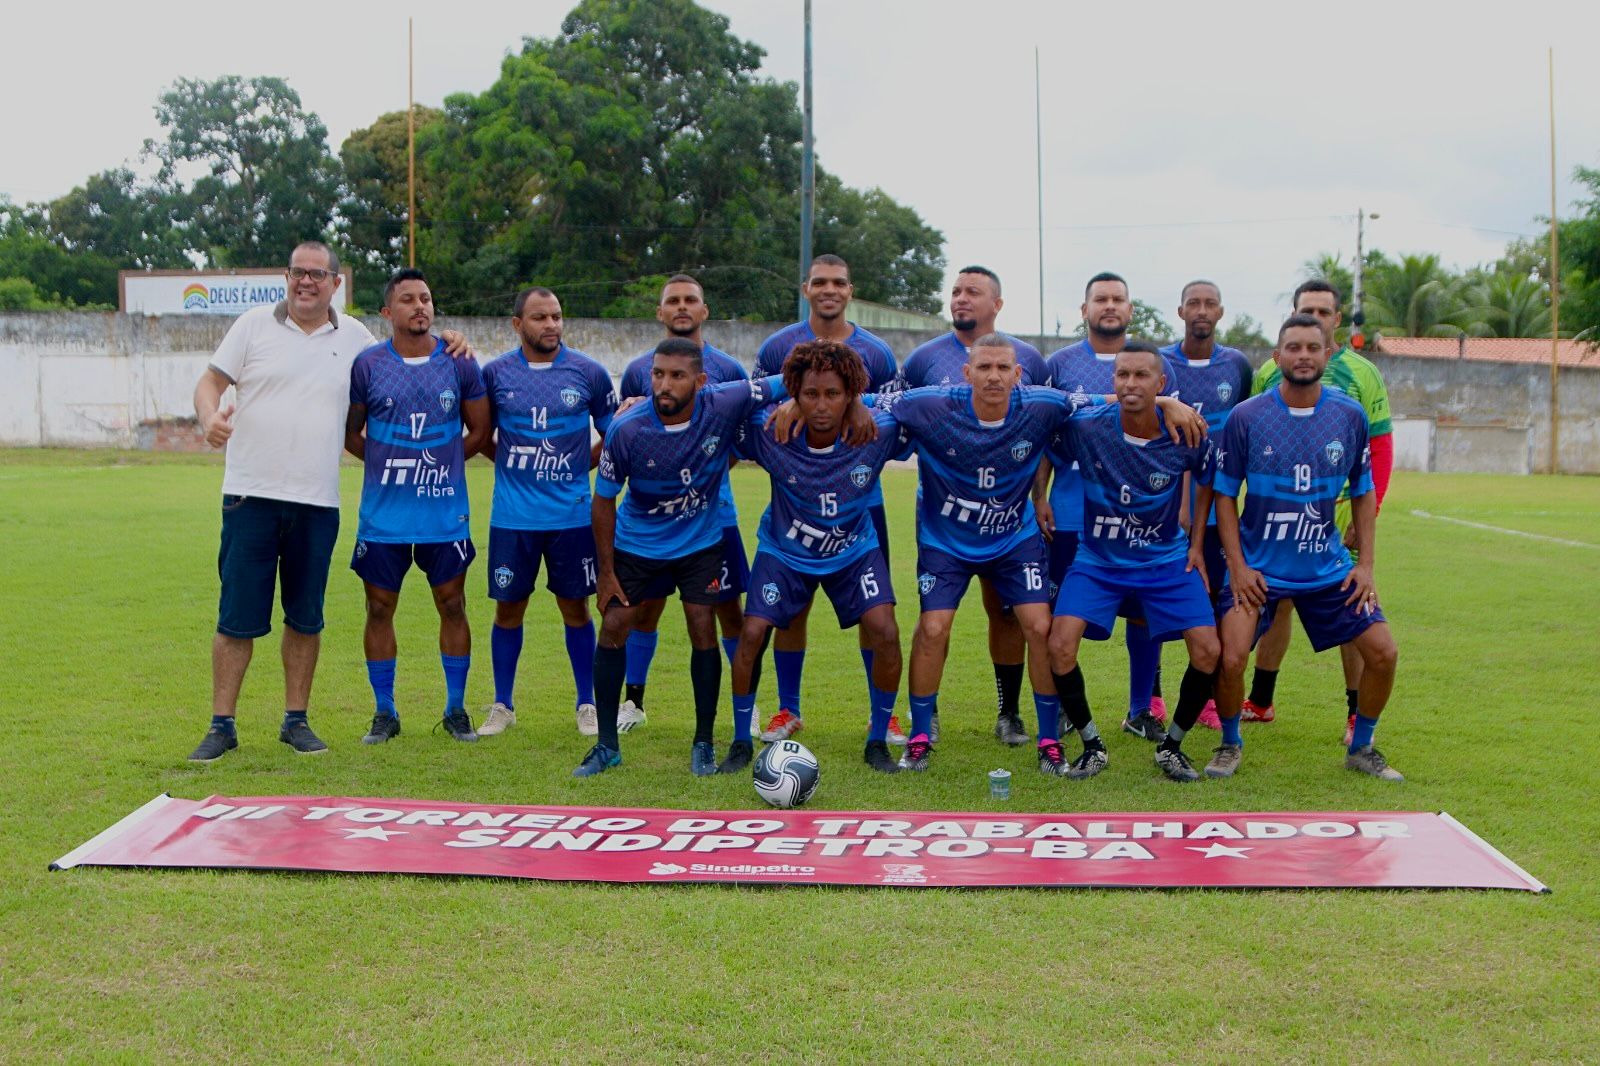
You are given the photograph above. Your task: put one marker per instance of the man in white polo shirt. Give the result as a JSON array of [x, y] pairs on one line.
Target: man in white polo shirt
[[290, 367]]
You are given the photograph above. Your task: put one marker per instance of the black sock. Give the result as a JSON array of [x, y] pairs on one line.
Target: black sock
[[705, 675], [1262, 686], [1008, 685], [1193, 692], [635, 695], [755, 671], [1155, 685], [610, 667], [1350, 700], [1075, 705]]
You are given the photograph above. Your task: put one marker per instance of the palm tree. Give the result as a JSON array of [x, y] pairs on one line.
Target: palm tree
[[1417, 297], [1513, 305]]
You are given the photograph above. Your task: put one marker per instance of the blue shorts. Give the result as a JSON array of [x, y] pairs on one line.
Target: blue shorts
[[385, 565], [1168, 598], [1018, 576], [880, 522], [1326, 618], [514, 556], [735, 575], [267, 543], [778, 592], [1063, 549]]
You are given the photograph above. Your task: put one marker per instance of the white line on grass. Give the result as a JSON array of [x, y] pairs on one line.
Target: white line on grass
[[1502, 529]]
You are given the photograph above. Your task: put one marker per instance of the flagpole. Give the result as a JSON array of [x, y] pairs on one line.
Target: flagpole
[[1555, 288], [1038, 160], [411, 143]]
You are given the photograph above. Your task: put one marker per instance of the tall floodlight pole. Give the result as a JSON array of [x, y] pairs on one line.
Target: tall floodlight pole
[[1038, 160], [411, 144], [1555, 288], [808, 175]]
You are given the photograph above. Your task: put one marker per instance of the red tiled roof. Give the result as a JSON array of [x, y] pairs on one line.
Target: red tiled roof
[[1492, 349]]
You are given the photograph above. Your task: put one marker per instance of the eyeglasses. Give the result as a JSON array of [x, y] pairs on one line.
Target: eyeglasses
[[315, 274]]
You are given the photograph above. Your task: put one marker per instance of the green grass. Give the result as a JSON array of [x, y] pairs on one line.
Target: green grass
[[108, 589]]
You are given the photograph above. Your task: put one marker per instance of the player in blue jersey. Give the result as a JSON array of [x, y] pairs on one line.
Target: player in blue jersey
[[1087, 367], [672, 453], [818, 532], [1212, 378], [543, 396], [1134, 551], [828, 290], [1297, 446], [975, 302], [682, 310], [408, 402]]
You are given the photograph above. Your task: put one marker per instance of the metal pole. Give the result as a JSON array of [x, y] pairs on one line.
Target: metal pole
[[1038, 158], [808, 174], [411, 144], [1555, 288], [1358, 317]]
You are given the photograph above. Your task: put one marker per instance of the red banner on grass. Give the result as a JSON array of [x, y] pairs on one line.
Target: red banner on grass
[[1363, 849]]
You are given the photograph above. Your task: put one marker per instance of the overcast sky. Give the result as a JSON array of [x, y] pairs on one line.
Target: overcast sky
[[1229, 140]]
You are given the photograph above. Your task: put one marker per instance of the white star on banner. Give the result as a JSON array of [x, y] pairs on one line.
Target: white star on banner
[[1215, 851], [372, 832]]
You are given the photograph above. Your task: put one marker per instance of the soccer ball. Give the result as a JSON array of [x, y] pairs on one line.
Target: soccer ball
[[786, 773]]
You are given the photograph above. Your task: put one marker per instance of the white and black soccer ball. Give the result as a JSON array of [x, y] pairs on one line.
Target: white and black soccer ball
[[786, 773]]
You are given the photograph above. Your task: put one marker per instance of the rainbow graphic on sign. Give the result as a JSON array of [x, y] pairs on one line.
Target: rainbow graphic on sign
[[196, 298]]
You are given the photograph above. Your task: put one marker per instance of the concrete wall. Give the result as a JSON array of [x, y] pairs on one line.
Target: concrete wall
[[119, 380]]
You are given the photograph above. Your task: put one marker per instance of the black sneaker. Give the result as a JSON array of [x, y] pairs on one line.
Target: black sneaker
[[1009, 730], [384, 727], [1092, 761], [214, 745], [1146, 726], [877, 756], [299, 736], [740, 753], [1175, 764], [458, 725]]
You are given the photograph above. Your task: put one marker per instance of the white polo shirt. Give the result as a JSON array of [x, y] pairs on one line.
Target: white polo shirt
[[293, 394]]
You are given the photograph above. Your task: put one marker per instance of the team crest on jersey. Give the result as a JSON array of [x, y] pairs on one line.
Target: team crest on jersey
[[503, 576], [710, 445], [860, 476], [1160, 480], [571, 397], [447, 400], [1020, 450], [361, 549], [1334, 451], [769, 592], [1224, 391], [925, 583]]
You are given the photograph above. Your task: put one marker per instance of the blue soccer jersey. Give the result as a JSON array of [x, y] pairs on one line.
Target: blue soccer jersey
[[674, 473], [719, 367], [414, 490], [1296, 462], [542, 413], [1132, 491], [975, 479], [1080, 372], [939, 362], [819, 520], [1213, 387]]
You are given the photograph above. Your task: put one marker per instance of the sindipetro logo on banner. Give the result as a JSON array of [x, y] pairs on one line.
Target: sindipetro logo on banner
[[208, 292]]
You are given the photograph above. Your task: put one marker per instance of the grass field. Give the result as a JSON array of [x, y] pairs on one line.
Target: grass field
[[108, 587]]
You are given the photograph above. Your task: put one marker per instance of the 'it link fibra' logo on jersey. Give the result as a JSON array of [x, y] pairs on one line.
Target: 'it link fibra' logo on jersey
[[571, 396], [1334, 451], [1160, 480], [503, 576], [1224, 391], [860, 476], [710, 445], [1020, 450], [769, 592], [925, 583], [447, 400]]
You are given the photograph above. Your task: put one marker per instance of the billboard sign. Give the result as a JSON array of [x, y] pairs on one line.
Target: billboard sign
[[208, 292]]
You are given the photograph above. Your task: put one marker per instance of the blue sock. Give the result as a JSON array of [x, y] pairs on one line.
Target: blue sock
[[1230, 731], [729, 646], [1048, 708], [789, 665], [455, 681], [294, 716], [505, 648], [580, 653], [882, 710], [744, 709], [380, 672], [641, 649], [866, 661], [1144, 660], [1363, 732], [922, 711], [222, 723]]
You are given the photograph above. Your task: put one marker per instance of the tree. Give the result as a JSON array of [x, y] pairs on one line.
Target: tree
[[113, 216], [57, 276], [1244, 332], [894, 256], [1148, 323], [373, 203], [1417, 297], [1580, 255], [269, 180], [1512, 305]]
